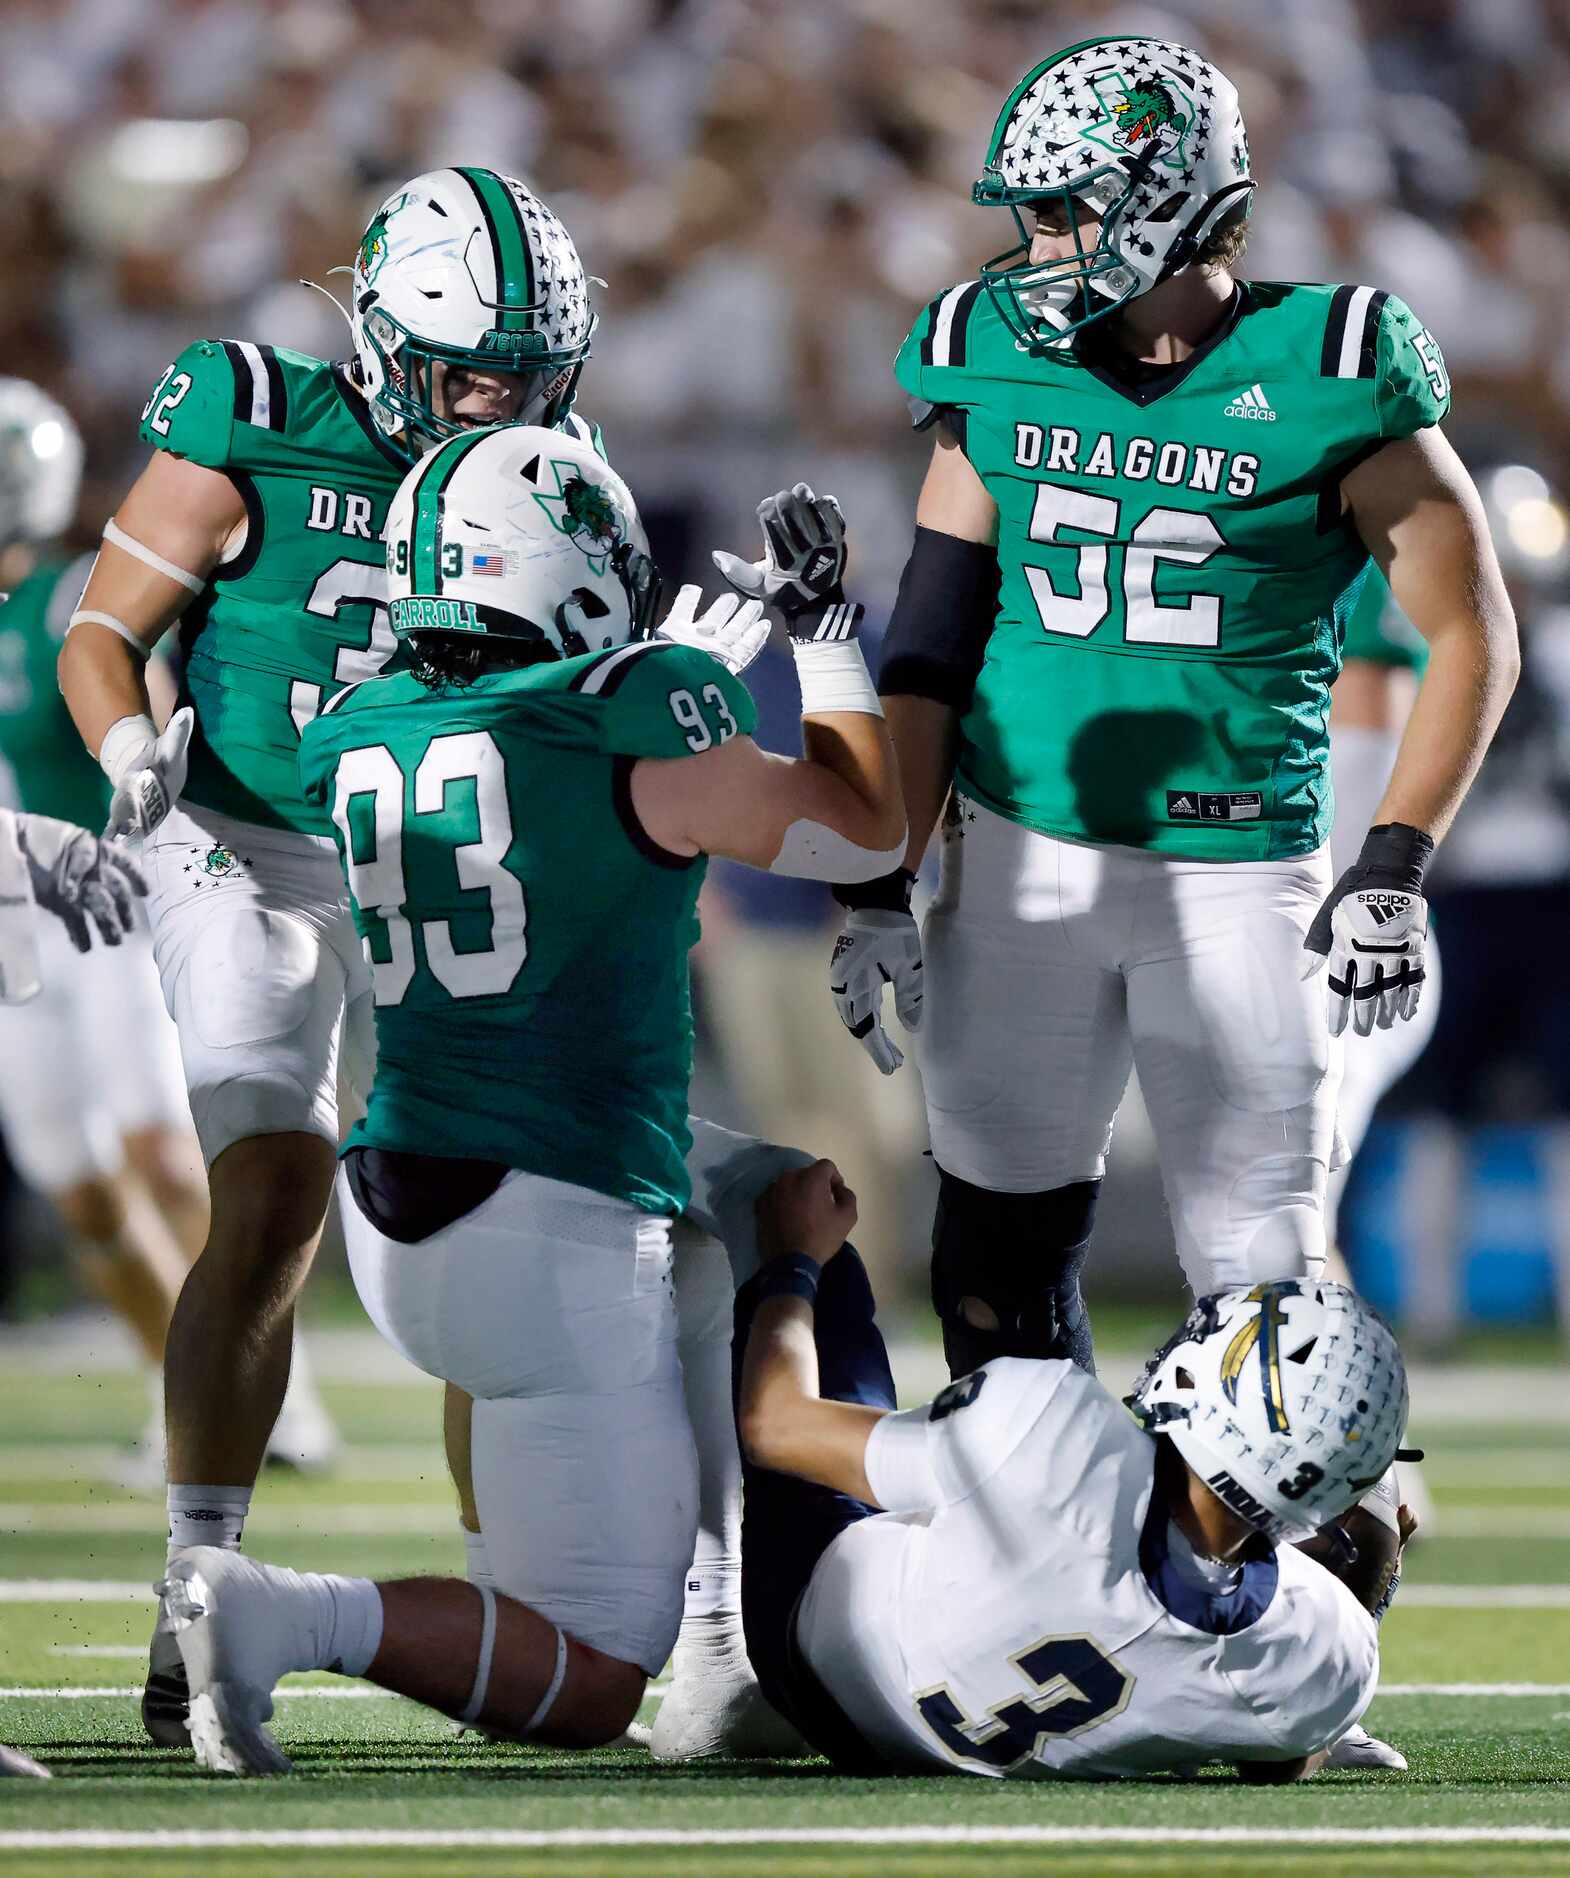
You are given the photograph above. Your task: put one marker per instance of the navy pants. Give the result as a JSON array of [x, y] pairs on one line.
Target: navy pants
[[788, 1524]]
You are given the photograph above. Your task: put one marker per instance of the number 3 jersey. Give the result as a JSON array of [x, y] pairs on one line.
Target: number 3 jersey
[[1024, 1607], [527, 940], [1176, 570]]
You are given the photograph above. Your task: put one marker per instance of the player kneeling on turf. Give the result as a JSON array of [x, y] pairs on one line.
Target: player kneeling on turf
[[524, 816], [1056, 1588]]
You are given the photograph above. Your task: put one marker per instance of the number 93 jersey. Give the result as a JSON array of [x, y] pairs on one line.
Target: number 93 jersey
[[1176, 570], [301, 609], [1019, 1609], [527, 940]]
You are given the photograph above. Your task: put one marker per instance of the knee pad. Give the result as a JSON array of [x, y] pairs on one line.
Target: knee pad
[[1019, 1256]]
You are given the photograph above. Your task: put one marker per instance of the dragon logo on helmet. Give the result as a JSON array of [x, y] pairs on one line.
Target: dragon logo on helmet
[[583, 512], [1146, 114]]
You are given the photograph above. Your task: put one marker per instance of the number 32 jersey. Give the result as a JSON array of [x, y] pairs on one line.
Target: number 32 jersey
[[1176, 571], [1017, 1610], [527, 941]]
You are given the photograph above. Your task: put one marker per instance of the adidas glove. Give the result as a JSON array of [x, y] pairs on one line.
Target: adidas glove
[[146, 771], [80, 878], [730, 629], [804, 554], [1373, 928], [879, 944]]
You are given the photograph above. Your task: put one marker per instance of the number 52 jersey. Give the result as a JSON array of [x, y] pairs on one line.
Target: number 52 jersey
[[1176, 570], [1018, 1609]]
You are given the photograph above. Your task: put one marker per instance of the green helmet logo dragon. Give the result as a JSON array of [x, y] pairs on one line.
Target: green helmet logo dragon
[[1146, 112], [373, 243], [583, 512]]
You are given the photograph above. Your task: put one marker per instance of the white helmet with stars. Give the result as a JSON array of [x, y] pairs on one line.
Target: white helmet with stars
[[40, 464], [1147, 134], [1288, 1400], [519, 534], [466, 267]]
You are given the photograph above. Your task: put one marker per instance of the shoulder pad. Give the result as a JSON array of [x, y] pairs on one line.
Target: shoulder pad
[[939, 341], [664, 700], [191, 410]]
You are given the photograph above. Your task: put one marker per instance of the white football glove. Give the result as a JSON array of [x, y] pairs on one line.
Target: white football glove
[[731, 629], [804, 553], [1377, 938], [79, 877], [148, 775], [877, 947], [1372, 929]]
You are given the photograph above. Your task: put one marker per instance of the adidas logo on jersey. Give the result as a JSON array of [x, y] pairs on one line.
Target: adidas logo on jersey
[[1251, 403]]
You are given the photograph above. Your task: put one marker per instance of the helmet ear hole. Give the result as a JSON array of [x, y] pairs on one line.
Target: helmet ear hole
[[1182, 1378]]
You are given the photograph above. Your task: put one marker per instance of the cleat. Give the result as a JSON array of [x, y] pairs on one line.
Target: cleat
[[14, 1762], [1358, 1751], [714, 1707], [635, 1735], [166, 1696], [234, 1622], [303, 1437]]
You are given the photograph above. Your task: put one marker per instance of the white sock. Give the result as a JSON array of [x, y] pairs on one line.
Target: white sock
[[207, 1516], [479, 1560], [352, 1634], [705, 1300]]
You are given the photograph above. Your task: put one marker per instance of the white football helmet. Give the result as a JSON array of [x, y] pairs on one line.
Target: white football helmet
[[40, 464], [1147, 133], [466, 267], [1288, 1400], [519, 533]]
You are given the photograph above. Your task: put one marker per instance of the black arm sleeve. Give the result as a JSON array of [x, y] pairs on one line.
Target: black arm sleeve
[[937, 637]]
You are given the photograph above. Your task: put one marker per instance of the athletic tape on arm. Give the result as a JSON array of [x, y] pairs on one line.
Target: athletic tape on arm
[[547, 1701], [810, 851], [86, 617], [482, 1669], [128, 544]]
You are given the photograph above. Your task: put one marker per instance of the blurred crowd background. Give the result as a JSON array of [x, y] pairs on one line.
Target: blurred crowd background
[[769, 194]]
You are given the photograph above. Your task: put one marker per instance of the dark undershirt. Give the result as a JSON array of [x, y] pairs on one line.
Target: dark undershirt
[[408, 1197]]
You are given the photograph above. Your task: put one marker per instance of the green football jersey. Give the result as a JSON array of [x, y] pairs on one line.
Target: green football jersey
[[1176, 572], [1380, 632], [528, 942], [44, 766], [301, 611]]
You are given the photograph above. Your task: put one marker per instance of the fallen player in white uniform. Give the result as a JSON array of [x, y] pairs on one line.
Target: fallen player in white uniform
[[1055, 1587]]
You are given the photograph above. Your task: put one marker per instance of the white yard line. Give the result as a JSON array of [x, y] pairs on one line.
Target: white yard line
[[359, 1692], [102, 1462], [367, 1519], [1412, 1597], [460, 1839]]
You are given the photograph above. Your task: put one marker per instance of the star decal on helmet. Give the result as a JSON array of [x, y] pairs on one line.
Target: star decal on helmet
[[583, 512]]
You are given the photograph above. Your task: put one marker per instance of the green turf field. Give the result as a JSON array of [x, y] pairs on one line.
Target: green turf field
[[1476, 1691]]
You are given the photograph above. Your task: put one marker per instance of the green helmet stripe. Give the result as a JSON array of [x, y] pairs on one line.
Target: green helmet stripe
[[510, 249], [425, 523]]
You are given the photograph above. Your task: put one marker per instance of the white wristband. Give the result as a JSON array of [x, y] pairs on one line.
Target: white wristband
[[834, 677], [127, 744]]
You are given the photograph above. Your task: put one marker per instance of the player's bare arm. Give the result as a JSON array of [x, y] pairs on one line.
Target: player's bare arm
[[744, 803], [180, 514], [1415, 508], [784, 1424]]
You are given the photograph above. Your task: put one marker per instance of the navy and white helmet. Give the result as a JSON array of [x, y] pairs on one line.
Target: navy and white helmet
[[519, 533], [466, 267], [1288, 1400], [1145, 132], [40, 464]]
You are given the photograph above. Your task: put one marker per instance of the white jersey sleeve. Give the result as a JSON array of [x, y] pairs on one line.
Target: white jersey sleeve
[[924, 1458]]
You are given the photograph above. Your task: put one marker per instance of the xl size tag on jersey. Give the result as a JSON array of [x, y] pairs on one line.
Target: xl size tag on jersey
[[1213, 805]]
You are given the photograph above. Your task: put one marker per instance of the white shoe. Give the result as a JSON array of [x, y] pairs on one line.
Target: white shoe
[[714, 1706], [238, 1625], [303, 1436], [14, 1761], [1358, 1750]]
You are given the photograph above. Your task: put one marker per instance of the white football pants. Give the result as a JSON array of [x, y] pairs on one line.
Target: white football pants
[[554, 1308], [259, 959], [1052, 967]]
